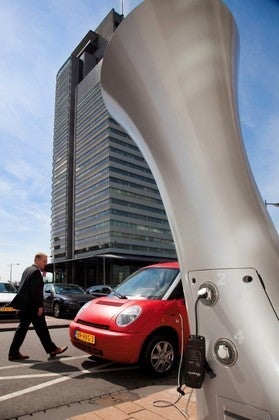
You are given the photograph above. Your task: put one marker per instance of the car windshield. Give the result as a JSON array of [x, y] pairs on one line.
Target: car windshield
[[68, 289], [148, 283], [7, 288]]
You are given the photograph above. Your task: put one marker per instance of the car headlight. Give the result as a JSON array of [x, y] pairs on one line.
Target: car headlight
[[128, 316]]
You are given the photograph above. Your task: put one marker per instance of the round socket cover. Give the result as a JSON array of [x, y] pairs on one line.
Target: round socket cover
[[225, 352], [212, 294]]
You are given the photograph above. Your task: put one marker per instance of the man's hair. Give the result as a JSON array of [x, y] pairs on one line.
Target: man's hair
[[40, 255]]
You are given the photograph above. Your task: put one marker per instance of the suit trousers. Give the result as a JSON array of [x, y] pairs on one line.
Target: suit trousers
[[27, 317]]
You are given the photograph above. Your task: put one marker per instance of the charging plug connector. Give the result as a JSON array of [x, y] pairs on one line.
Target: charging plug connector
[[180, 390], [203, 293], [209, 371]]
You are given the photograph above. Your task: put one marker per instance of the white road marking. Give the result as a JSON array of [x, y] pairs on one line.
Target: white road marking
[[98, 369], [35, 375], [32, 388], [65, 358]]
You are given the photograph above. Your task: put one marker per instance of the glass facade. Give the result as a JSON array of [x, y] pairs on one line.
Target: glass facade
[[105, 202], [62, 126], [117, 201]]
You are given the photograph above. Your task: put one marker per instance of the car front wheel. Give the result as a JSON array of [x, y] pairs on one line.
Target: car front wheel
[[159, 356], [56, 310]]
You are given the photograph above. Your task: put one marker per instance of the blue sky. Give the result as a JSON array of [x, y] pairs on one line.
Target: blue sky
[[37, 36]]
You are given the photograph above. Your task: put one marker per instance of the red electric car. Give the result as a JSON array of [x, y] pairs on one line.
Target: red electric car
[[142, 321]]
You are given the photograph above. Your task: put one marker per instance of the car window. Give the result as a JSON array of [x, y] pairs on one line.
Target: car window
[[149, 283], [48, 288], [68, 289], [7, 288], [95, 289], [99, 289]]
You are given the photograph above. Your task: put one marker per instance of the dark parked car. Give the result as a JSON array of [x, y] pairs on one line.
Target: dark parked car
[[64, 299], [99, 290], [7, 293]]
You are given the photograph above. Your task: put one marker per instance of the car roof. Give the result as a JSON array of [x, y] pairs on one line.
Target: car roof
[[167, 264], [64, 285]]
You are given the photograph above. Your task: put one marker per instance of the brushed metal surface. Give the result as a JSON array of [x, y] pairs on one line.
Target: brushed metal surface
[[169, 77]]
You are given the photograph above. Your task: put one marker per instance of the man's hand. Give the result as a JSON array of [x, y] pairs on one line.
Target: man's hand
[[40, 311]]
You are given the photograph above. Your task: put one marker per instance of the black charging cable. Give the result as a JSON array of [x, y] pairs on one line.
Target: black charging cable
[[194, 356], [203, 294]]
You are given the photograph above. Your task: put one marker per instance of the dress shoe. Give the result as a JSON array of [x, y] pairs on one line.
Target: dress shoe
[[18, 356], [59, 350]]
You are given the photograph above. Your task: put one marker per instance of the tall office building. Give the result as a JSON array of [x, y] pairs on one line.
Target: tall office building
[[107, 215]]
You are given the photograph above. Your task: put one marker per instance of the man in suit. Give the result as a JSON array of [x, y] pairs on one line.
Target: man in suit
[[29, 301]]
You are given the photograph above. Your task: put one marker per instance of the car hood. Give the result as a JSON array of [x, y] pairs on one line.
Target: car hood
[[104, 309], [6, 297]]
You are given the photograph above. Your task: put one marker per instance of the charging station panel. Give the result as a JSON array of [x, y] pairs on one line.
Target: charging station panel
[[231, 410], [176, 96], [240, 348]]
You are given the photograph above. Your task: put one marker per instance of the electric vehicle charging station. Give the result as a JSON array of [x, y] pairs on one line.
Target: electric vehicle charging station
[[169, 78]]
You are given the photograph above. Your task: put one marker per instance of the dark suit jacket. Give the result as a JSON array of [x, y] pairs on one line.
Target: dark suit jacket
[[30, 293]]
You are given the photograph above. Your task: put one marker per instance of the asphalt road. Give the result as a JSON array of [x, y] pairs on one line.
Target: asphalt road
[[71, 384]]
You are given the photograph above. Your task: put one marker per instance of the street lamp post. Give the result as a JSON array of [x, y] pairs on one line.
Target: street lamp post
[[102, 245], [54, 273], [11, 270], [104, 264], [53, 268], [271, 204]]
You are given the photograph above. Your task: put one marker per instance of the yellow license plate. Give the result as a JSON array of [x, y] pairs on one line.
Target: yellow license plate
[[88, 338], [7, 309]]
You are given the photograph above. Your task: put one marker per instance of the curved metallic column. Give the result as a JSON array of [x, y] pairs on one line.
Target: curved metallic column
[[168, 77]]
